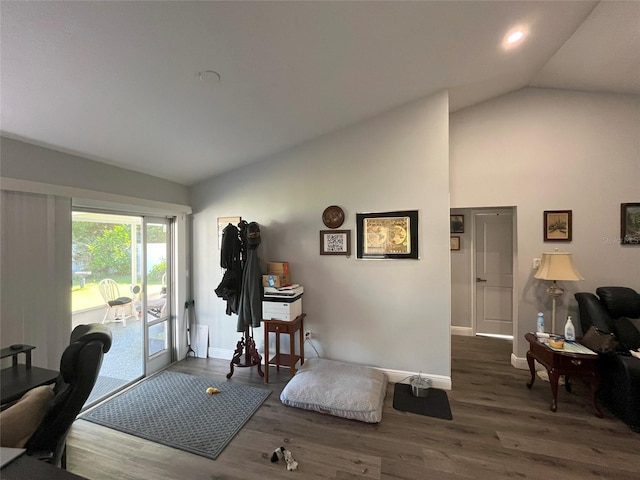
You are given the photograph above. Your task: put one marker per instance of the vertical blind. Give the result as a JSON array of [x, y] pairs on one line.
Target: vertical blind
[[35, 274]]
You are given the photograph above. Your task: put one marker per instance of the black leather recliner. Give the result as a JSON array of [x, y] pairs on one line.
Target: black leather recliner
[[79, 368], [616, 310]]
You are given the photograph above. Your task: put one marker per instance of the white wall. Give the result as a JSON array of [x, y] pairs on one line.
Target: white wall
[[461, 272], [392, 313], [24, 161], [536, 149], [542, 149]]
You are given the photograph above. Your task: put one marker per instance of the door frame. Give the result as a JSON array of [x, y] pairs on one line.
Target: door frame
[[157, 362], [472, 280], [148, 367]]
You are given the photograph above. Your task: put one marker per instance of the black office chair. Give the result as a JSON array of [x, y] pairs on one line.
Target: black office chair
[[79, 369]]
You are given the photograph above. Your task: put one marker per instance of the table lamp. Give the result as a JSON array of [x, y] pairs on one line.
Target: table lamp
[[557, 266]]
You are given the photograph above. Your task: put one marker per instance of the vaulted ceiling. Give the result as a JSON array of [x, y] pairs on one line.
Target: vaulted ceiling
[[187, 90]]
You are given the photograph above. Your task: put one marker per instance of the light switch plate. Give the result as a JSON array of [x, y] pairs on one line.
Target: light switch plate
[[536, 263]]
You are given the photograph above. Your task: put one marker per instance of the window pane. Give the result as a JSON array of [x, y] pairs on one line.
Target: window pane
[[156, 271], [157, 338]]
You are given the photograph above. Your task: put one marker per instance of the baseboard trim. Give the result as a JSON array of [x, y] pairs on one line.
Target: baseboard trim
[[442, 382], [522, 364], [221, 353], [519, 362], [462, 331], [401, 376]]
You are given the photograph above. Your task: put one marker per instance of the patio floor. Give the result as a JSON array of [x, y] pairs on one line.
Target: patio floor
[[123, 363]]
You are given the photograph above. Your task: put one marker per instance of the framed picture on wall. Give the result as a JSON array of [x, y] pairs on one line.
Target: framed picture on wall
[[387, 235], [455, 243], [335, 242], [557, 225], [630, 223], [457, 223]]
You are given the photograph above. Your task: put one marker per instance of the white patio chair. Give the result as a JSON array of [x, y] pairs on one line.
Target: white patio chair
[[114, 302]]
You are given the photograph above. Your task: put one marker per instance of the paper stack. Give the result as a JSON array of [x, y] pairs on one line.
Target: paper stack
[[293, 290]]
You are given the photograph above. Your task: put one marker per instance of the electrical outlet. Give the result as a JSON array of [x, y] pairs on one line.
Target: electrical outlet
[[536, 263], [307, 334]]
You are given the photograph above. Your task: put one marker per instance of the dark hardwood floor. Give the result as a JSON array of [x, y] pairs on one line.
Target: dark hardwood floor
[[500, 430]]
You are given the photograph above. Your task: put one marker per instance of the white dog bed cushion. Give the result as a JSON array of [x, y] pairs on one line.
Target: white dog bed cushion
[[337, 388]]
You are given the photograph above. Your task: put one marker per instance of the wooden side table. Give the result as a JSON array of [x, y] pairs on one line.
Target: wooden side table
[[10, 352], [559, 363], [19, 378], [285, 359]]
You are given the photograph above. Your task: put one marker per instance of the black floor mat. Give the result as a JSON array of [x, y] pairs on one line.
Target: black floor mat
[[435, 405]]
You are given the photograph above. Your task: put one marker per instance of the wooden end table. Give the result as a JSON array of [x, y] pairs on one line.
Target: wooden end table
[[285, 359], [559, 363]]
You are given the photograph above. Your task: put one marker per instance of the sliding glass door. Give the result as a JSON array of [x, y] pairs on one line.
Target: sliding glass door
[[156, 245], [132, 253]]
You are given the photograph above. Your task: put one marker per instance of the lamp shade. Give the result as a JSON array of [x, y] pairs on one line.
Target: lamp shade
[[557, 266]]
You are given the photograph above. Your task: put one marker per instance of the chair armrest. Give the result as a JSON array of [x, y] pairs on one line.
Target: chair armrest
[[628, 332]]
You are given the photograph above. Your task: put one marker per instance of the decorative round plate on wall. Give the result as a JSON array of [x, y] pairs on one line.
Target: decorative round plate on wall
[[333, 216]]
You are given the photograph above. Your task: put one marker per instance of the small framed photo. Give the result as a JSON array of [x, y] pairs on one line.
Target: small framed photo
[[335, 242], [387, 235], [630, 223], [457, 223], [455, 243], [557, 225]]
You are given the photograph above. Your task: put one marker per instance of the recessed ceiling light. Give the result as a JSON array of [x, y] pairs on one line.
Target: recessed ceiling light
[[515, 36], [209, 76]]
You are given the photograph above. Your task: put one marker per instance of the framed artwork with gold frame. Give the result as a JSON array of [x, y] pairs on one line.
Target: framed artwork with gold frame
[[387, 235], [454, 243]]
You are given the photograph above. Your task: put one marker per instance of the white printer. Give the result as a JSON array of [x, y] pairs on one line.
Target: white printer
[[282, 303]]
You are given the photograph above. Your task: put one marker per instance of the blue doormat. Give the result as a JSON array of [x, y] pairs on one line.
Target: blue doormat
[[173, 409]]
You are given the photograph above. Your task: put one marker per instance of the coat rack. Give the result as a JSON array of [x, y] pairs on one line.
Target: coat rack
[[236, 257], [246, 346]]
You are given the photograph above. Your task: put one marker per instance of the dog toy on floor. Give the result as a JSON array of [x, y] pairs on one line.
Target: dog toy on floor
[[212, 390], [283, 452]]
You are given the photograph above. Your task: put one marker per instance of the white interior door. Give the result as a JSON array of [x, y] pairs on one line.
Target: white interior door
[[494, 272]]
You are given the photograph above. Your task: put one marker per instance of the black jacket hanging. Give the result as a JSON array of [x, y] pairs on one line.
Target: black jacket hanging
[[231, 248], [231, 259], [250, 309]]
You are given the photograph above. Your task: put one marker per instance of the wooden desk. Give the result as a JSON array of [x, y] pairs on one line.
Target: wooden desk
[[279, 327], [19, 378], [563, 363]]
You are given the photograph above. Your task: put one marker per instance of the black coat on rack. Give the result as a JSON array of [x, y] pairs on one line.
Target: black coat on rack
[[251, 293], [231, 259], [250, 299]]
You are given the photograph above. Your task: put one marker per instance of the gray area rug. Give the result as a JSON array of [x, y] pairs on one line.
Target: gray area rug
[[103, 387], [174, 409]]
